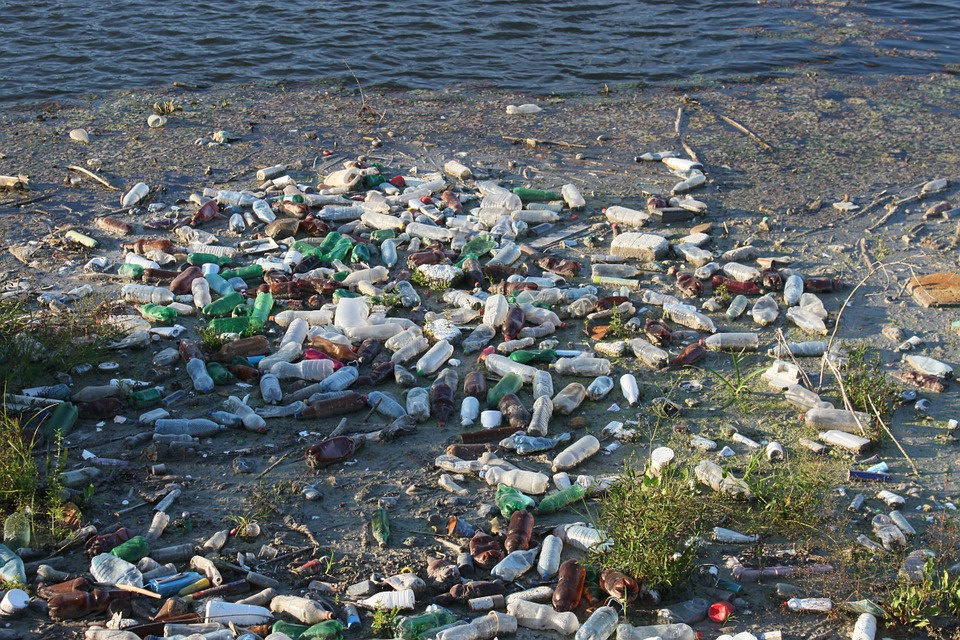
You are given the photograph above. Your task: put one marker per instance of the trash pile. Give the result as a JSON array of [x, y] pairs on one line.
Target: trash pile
[[421, 299]]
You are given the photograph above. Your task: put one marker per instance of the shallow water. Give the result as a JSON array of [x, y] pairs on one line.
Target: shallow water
[[52, 49]]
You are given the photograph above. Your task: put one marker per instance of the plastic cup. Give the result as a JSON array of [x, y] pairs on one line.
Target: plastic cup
[[14, 602], [491, 419]]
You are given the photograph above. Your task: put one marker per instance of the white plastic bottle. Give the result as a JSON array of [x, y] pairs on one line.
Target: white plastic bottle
[[197, 370], [387, 600], [469, 411], [144, 294], [388, 252], [540, 416], [433, 359], [630, 389], [806, 321], [418, 345], [822, 605], [495, 310], [765, 310], [582, 366], [741, 272], [839, 419], [287, 353], [801, 397], [543, 617], [549, 562], [232, 612], [681, 314], [733, 342], [296, 332], [303, 609], [200, 289], [525, 481], [866, 627], [929, 366], [844, 440], [662, 631], [340, 380], [270, 389], [576, 453], [196, 427], [792, 290], [313, 370]]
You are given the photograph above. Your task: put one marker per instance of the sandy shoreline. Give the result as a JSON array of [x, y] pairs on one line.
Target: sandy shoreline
[[832, 139]]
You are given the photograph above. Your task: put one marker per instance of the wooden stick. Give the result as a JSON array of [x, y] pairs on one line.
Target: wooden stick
[[534, 142], [272, 467], [689, 150], [369, 413], [92, 176], [747, 132], [781, 339], [891, 209], [678, 123], [916, 472], [20, 203], [342, 427], [143, 592]]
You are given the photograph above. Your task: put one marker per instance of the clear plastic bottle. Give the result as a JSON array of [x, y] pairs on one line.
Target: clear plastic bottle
[[550, 550], [543, 617], [251, 421], [542, 384], [410, 351], [196, 427], [484, 628], [737, 306], [741, 272], [409, 297], [143, 293], [630, 389], [541, 315], [303, 609], [525, 481], [388, 252], [600, 625], [569, 398], [844, 440], [806, 321], [287, 353], [433, 359], [582, 366], [197, 370], [576, 453], [600, 388], [418, 404], [813, 304], [478, 338], [515, 564], [540, 416], [649, 354], [340, 380], [495, 310], [111, 570], [403, 339], [662, 631], [11, 566], [929, 366], [865, 628], [501, 365], [313, 370], [821, 605], [765, 310], [387, 600], [270, 389], [801, 397], [732, 342], [581, 307], [681, 314], [839, 419], [792, 290], [386, 405], [686, 612], [296, 332]]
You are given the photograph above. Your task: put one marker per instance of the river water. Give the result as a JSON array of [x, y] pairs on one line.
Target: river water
[[54, 49]]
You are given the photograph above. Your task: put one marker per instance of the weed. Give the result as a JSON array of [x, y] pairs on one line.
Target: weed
[[738, 382], [382, 625], [211, 341], [617, 326], [166, 108], [865, 380], [265, 499], [722, 294], [920, 604], [650, 521], [18, 472], [241, 522]]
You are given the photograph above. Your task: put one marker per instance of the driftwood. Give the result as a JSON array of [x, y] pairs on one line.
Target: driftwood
[[534, 142], [92, 176]]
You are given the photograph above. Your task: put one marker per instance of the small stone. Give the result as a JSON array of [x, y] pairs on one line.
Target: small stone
[[241, 466], [80, 135]]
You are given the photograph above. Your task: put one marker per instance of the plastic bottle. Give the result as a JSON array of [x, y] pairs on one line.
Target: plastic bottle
[[478, 338], [929, 366], [484, 628], [132, 550], [197, 370], [270, 389], [519, 531], [662, 631], [865, 628], [649, 354], [737, 306], [244, 615], [111, 570], [792, 290], [433, 359], [839, 419], [741, 272], [416, 626], [146, 294], [821, 605], [510, 383], [583, 366], [11, 566], [469, 411], [806, 321], [845, 440], [312, 370], [681, 314], [403, 599], [251, 421], [576, 453], [630, 389], [526, 481], [600, 388], [569, 398], [549, 561], [561, 499], [515, 564], [306, 611], [732, 342], [765, 310], [418, 404], [542, 384], [686, 612], [196, 427], [502, 366], [542, 617], [495, 310], [540, 416]]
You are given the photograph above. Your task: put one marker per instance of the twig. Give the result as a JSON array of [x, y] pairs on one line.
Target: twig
[[293, 525], [92, 176], [363, 97], [142, 592], [342, 427], [272, 467], [891, 209], [20, 203], [686, 147], [239, 173], [746, 131], [369, 413], [286, 556], [533, 142], [916, 472], [786, 347]]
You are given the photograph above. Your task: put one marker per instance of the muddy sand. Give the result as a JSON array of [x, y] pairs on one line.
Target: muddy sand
[[863, 141]]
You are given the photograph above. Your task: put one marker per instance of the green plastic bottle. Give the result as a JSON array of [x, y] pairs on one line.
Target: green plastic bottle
[[326, 630], [225, 305], [533, 195], [340, 251], [340, 276], [262, 307], [147, 397], [219, 374], [509, 500], [508, 384], [415, 627], [479, 246], [156, 313], [61, 420], [199, 258], [372, 182], [380, 525], [252, 271], [132, 550], [344, 293], [294, 631], [305, 248], [561, 499], [533, 355], [328, 243], [131, 271], [380, 235], [360, 253], [239, 324]]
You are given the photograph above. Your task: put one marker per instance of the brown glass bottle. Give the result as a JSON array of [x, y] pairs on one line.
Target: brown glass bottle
[[514, 411], [100, 408], [570, 581], [376, 375], [623, 588], [182, 283], [104, 543], [475, 273], [477, 589], [332, 349], [368, 350], [189, 349], [348, 402], [485, 550], [143, 245], [475, 384], [47, 591], [76, 604], [332, 450]]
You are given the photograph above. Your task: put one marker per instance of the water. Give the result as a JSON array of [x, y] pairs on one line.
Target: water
[[52, 49]]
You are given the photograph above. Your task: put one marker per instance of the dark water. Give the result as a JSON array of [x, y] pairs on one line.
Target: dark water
[[66, 47]]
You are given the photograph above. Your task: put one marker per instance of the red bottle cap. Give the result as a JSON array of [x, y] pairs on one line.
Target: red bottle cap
[[720, 611], [398, 182]]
